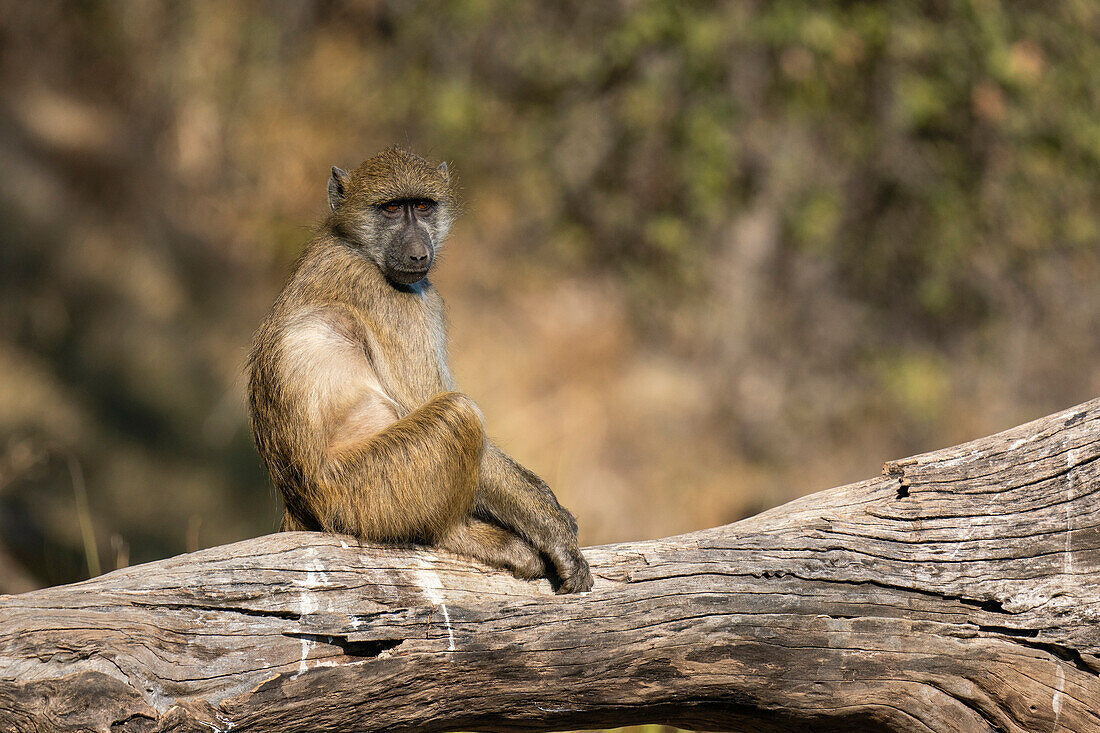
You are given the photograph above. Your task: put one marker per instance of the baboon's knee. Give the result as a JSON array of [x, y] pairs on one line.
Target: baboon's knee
[[495, 546], [463, 416], [526, 562]]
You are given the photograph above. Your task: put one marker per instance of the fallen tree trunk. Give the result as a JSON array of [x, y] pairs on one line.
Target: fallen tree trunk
[[957, 592]]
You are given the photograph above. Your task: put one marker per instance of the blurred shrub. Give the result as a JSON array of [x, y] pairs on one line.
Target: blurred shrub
[[768, 241]]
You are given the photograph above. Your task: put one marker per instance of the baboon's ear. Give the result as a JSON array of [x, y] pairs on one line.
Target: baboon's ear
[[444, 172], [337, 187]]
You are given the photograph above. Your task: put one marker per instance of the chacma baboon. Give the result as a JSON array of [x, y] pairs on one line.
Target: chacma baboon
[[353, 406]]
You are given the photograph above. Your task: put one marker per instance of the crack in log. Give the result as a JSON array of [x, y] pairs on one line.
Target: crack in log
[[256, 612], [1027, 637], [356, 649], [1077, 417], [123, 724], [991, 605]]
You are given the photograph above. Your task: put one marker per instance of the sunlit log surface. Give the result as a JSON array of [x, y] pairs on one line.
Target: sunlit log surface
[[959, 591]]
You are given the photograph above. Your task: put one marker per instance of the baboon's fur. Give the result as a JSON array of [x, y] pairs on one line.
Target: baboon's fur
[[353, 406]]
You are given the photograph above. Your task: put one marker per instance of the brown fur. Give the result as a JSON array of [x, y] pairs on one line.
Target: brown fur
[[354, 409]]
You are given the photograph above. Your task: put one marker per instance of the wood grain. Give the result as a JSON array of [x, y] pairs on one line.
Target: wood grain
[[960, 591]]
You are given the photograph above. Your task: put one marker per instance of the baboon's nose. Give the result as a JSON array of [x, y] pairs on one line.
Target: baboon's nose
[[417, 249]]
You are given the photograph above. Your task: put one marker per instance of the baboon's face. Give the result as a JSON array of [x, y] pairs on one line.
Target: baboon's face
[[396, 210], [402, 237]]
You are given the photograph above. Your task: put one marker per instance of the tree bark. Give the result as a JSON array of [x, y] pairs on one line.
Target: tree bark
[[956, 592]]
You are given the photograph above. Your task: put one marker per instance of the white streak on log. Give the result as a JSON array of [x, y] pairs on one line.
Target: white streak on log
[[307, 604], [1056, 703], [430, 584], [217, 728]]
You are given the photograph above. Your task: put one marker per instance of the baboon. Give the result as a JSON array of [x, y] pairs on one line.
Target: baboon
[[353, 406]]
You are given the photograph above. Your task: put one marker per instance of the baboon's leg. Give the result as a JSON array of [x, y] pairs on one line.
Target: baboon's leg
[[521, 501], [495, 546], [412, 481]]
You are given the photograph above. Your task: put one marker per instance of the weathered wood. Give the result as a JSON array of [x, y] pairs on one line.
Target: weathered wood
[[957, 592]]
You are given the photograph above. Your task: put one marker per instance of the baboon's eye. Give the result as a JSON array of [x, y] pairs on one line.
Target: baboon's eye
[[391, 207], [424, 206]]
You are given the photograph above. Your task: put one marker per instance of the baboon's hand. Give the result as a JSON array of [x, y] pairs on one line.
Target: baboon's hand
[[573, 571], [566, 555]]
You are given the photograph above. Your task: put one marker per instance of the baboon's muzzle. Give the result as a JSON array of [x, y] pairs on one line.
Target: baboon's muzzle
[[411, 255]]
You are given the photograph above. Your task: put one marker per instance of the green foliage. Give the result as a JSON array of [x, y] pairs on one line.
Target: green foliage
[[812, 210], [903, 143]]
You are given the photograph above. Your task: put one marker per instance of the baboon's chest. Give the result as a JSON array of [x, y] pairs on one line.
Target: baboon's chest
[[413, 347]]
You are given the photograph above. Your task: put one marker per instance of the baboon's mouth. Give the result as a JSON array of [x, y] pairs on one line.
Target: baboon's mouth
[[407, 277]]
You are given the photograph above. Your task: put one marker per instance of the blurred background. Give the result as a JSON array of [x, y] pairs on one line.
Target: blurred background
[[715, 255]]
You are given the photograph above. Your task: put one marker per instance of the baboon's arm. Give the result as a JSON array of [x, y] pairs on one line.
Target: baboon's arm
[[413, 481], [521, 501]]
